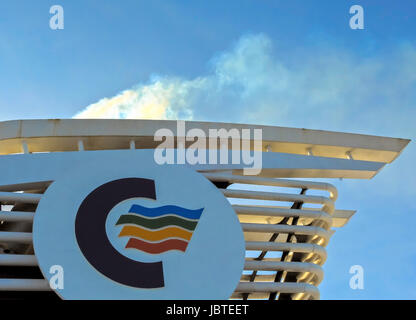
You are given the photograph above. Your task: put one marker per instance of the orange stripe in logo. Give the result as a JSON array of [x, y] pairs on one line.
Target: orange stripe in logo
[[169, 232]]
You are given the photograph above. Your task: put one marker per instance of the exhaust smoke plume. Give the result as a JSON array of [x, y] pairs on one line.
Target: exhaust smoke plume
[[327, 89]]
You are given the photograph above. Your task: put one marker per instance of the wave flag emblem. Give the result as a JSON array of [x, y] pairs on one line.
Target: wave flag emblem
[[160, 229]]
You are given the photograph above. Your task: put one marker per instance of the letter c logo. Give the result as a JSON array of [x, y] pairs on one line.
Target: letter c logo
[[93, 241]]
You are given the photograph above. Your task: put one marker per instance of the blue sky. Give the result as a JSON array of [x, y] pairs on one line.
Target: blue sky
[[281, 63]]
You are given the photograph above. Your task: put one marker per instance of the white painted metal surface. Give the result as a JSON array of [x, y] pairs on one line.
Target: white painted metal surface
[[299, 225], [309, 270]]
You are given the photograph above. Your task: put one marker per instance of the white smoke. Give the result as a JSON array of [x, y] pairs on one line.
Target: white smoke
[[326, 89], [239, 78]]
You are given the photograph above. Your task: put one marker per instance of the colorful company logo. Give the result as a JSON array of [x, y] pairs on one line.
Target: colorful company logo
[[138, 231], [158, 230], [98, 250]]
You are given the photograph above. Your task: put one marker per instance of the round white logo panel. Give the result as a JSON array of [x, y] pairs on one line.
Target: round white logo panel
[[127, 228]]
